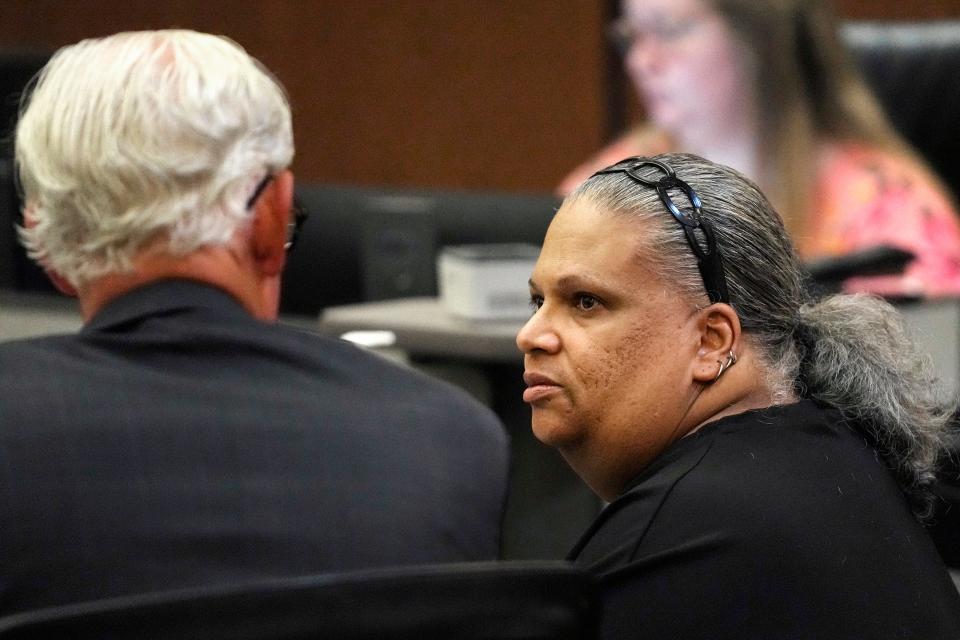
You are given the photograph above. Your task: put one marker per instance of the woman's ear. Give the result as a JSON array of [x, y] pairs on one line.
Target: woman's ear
[[720, 331], [270, 221]]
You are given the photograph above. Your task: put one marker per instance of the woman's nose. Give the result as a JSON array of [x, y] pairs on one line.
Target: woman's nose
[[537, 335]]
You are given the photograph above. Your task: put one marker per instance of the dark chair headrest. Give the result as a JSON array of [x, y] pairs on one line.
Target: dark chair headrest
[[534, 600], [914, 69]]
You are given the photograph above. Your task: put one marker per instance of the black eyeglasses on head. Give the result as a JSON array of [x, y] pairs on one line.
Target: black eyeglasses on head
[[298, 211], [709, 261]]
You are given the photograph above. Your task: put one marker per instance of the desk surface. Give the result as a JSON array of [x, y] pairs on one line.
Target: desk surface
[[25, 315], [423, 327]]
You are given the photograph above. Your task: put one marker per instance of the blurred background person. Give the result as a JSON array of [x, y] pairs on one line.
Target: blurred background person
[[768, 458], [768, 88]]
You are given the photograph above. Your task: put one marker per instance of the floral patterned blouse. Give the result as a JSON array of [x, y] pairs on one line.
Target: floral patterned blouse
[[866, 197]]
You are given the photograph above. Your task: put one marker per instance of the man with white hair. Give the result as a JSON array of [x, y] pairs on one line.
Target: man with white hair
[[180, 439]]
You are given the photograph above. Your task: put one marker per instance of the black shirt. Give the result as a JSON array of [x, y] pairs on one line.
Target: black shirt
[[775, 523]]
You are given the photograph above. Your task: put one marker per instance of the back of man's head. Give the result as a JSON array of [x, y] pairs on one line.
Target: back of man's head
[[143, 137]]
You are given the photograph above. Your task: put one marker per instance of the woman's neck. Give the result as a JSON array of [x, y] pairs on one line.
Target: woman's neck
[[739, 152], [730, 136]]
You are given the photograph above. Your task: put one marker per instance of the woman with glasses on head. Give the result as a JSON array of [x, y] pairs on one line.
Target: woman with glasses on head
[[768, 88], [767, 457]]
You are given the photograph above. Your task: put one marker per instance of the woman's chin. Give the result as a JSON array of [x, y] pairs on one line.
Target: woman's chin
[[553, 432]]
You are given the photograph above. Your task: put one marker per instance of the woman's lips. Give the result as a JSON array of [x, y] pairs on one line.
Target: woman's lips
[[539, 387]]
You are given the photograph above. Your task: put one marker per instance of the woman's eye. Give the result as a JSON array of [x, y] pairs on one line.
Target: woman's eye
[[535, 303], [586, 302]]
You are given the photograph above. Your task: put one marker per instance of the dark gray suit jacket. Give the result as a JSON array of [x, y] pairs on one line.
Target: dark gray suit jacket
[[177, 441]]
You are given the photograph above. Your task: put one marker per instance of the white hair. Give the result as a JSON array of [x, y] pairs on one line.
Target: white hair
[[140, 136]]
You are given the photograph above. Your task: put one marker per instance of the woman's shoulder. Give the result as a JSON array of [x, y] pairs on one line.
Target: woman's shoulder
[[795, 464], [791, 462], [841, 163], [640, 141], [788, 492], [731, 467], [859, 175], [747, 477], [865, 196]]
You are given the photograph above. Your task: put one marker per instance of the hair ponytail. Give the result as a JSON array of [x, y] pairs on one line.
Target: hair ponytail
[[856, 355]]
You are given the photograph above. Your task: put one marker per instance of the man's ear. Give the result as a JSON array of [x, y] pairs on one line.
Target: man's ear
[[271, 217], [720, 331], [61, 283]]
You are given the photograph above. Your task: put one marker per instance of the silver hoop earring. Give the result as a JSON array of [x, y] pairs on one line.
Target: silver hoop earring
[[731, 360]]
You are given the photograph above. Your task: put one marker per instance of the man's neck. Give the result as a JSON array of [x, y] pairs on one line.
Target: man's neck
[[221, 267]]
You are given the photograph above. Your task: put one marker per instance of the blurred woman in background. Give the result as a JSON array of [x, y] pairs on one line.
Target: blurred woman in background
[[768, 88]]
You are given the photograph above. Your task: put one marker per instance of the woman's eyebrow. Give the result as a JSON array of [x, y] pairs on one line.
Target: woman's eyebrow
[[578, 280], [571, 282]]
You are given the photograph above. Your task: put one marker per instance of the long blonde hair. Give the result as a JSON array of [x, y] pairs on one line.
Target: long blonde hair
[[810, 91]]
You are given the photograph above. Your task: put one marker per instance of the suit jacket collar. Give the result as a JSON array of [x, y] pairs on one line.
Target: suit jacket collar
[[163, 297]]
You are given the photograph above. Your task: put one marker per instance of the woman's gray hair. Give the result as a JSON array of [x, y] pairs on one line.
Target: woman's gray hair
[[145, 135], [850, 352]]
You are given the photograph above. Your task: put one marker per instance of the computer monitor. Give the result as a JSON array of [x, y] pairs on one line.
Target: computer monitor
[[16, 270], [364, 243]]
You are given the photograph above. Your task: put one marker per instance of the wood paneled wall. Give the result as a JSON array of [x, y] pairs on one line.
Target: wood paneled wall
[[898, 9], [478, 94]]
